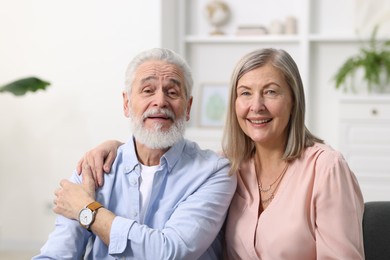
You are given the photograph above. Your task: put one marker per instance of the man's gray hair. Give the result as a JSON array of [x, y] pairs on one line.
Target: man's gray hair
[[159, 54]]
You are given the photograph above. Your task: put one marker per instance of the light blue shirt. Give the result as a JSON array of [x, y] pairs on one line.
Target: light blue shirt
[[190, 197]]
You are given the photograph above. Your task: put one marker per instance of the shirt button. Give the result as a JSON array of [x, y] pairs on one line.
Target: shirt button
[[134, 214], [133, 182]]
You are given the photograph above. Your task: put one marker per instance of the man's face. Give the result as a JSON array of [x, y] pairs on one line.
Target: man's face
[[157, 105]]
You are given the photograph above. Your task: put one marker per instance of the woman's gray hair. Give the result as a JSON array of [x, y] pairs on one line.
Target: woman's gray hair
[[239, 147], [159, 54]]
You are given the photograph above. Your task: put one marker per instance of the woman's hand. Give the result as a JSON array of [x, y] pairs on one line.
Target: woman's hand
[[100, 160]]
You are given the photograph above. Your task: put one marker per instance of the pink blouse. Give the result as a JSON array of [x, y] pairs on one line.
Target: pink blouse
[[316, 213]]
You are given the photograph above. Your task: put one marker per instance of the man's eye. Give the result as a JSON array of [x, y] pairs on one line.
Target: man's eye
[[147, 90], [173, 93]]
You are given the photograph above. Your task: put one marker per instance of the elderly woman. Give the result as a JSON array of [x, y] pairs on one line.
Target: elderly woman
[[296, 197]]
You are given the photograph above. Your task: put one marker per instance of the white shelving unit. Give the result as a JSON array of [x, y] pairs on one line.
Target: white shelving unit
[[322, 32], [326, 37]]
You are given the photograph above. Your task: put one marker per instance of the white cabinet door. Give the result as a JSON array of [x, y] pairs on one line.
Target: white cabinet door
[[365, 143]]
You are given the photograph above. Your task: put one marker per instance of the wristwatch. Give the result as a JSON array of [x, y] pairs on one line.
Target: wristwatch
[[88, 213]]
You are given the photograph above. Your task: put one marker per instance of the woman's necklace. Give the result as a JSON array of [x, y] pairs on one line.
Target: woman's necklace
[[266, 190], [270, 186]]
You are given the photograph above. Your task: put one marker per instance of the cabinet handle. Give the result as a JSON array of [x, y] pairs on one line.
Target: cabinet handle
[[374, 112]]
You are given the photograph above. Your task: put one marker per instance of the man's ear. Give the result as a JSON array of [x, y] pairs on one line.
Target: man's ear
[[189, 105], [126, 108]]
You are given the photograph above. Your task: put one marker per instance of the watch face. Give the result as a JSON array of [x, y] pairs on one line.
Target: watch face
[[85, 217]]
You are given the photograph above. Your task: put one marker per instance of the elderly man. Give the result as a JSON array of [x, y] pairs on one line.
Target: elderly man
[[164, 197]]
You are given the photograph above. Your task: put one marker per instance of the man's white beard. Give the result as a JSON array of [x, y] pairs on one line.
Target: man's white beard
[[156, 138]]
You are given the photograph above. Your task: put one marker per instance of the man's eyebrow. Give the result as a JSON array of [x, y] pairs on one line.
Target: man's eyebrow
[[175, 82], [147, 79], [171, 80]]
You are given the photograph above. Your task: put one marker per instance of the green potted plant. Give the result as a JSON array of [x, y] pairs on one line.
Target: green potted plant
[[373, 61], [24, 85]]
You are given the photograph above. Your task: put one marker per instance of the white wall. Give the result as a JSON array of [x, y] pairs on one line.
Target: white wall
[[82, 48]]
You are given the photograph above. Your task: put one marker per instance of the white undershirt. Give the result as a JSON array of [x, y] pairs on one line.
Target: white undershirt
[[147, 176]]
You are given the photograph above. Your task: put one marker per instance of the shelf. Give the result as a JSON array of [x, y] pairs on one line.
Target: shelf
[[242, 39], [220, 39], [333, 38], [341, 38], [377, 98]]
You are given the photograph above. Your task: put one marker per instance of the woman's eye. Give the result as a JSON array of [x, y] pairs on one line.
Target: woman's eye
[[244, 93], [270, 92]]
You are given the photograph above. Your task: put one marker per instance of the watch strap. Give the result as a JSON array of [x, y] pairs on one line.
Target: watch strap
[[94, 206]]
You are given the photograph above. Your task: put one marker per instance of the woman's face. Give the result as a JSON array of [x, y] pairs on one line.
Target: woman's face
[[263, 105]]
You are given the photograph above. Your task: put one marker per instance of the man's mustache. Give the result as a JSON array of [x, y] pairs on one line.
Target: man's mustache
[[158, 112]]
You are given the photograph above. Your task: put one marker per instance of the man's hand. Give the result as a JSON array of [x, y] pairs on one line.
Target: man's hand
[[100, 160], [71, 197]]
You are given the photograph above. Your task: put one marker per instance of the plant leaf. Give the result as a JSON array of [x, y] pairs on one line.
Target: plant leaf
[[347, 69], [373, 40], [386, 64], [24, 85]]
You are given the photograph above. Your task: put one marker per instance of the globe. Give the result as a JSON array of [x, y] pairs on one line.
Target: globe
[[217, 14]]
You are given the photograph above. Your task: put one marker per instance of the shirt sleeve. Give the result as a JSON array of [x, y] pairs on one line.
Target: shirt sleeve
[[339, 210], [190, 230], [68, 240]]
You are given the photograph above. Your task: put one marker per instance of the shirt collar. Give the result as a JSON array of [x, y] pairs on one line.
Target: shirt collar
[[170, 158], [173, 154]]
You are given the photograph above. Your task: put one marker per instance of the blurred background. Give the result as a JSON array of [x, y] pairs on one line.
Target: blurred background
[[83, 47]]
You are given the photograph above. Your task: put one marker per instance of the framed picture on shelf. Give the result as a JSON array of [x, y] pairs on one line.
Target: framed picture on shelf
[[213, 104]]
